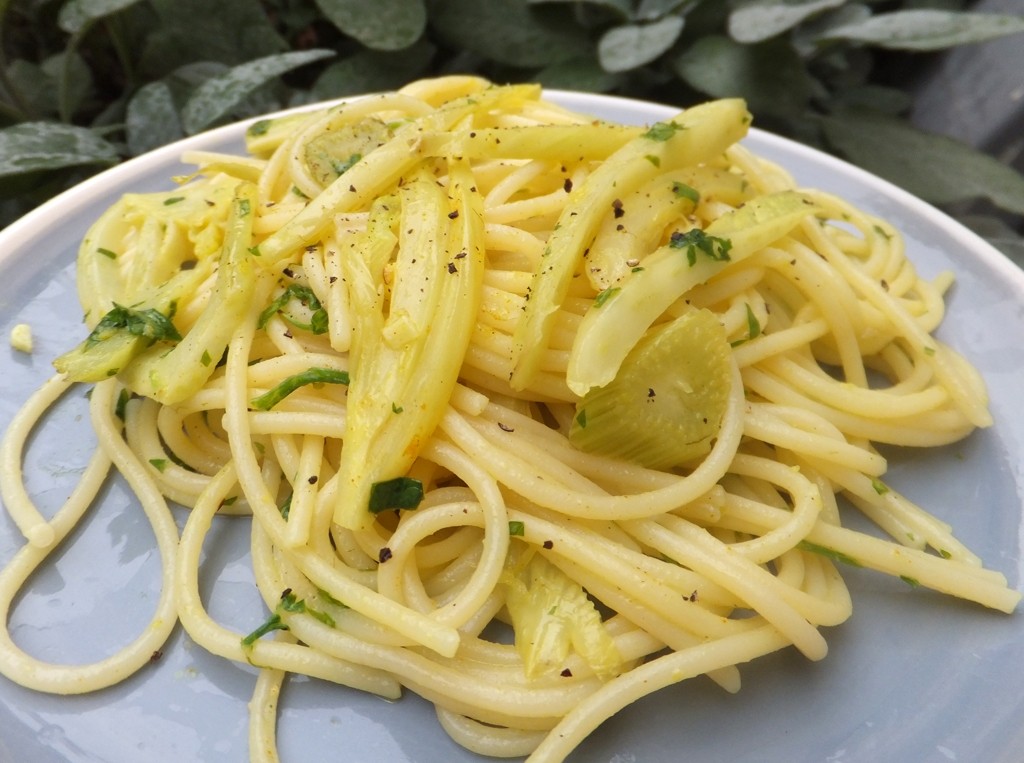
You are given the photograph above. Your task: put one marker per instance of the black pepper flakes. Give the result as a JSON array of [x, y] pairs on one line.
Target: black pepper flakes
[[453, 214], [452, 268], [155, 657], [549, 544], [567, 185], [384, 555], [617, 207], [505, 427], [313, 480], [566, 673]]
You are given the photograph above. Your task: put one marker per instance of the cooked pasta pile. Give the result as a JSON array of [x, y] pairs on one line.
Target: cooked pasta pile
[[476, 365]]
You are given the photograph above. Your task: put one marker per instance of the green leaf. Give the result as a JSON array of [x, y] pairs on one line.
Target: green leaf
[[215, 98], [76, 14], [936, 168], [623, 9], [512, 32], [188, 31], [649, 10], [630, 46], [998, 233], [387, 25], [151, 119], [31, 146], [927, 29], [584, 73], [757, 20], [769, 75], [373, 71]]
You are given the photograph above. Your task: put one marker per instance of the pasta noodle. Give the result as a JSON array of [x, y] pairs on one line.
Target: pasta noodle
[[531, 414]]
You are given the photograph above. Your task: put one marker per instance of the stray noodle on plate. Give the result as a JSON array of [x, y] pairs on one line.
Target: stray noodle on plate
[[476, 365]]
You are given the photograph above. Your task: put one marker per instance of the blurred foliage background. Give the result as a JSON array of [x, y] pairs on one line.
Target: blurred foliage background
[[85, 84]]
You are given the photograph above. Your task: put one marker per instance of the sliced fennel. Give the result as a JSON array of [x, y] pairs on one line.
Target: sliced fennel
[[697, 135], [665, 406], [399, 386], [551, 614], [329, 155], [381, 169], [171, 374], [146, 255], [619, 317]]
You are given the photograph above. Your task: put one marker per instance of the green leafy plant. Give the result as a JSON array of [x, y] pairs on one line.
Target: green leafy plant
[[85, 84]]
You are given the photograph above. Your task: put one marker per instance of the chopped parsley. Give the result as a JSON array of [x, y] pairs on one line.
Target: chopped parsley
[[831, 553], [604, 296], [305, 296], [399, 493], [149, 324], [695, 240], [516, 528], [662, 131], [314, 375], [683, 191]]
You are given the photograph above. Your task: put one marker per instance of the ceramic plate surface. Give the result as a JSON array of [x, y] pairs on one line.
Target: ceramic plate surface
[[912, 676]]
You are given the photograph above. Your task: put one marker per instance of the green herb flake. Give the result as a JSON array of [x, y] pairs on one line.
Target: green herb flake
[[122, 402], [290, 603], [604, 296], [879, 487], [656, 161], [173, 200], [912, 582], [244, 208], [581, 418], [516, 528], [286, 507], [396, 408], [399, 493], [684, 191], [835, 556], [945, 554], [259, 128], [106, 253], [662, 131], [753, 324], [303, 295], [696, 241], [343, 166], [273, 623], [326, 596], [929, 351], [149, 324], [206, 360], [322, 616], [159, 464], [314, 375]]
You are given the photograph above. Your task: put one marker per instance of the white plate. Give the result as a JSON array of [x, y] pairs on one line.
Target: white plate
[[912, 676]]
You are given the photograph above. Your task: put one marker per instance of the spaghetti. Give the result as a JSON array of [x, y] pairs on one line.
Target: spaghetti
[[533, 414]]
